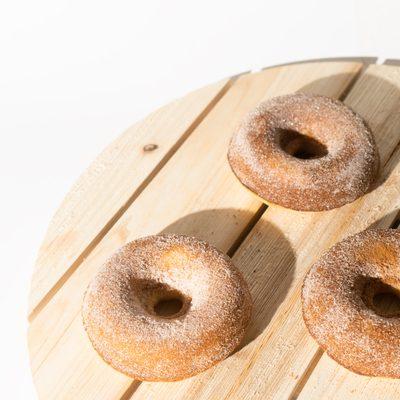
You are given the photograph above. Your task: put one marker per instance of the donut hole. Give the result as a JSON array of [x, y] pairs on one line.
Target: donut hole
[[168, 307], [387, 303], [161, 300], [301, 146], [382, 298]]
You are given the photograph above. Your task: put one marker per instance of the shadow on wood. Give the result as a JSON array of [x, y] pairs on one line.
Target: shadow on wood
[[259, 270]]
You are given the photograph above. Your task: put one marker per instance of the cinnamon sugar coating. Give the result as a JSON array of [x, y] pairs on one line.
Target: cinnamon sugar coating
[[304, 152], [121, 318], [339, 306]]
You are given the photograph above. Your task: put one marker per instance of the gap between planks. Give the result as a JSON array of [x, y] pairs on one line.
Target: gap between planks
[[97, 239], [307, 373]]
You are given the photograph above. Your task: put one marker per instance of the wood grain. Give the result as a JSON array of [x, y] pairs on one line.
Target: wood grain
[[331, 381], [116, 177], [273, 364], [194, 193]]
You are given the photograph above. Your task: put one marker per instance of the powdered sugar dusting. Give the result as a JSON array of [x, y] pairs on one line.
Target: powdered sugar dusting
[[337, 303], [123, 327], [338, 178]]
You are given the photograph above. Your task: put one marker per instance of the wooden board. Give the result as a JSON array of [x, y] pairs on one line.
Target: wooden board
[[185, 186]]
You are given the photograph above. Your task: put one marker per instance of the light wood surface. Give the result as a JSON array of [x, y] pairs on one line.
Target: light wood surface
[[188, 188], [111, 183]]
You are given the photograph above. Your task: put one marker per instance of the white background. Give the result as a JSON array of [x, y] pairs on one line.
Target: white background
[[74, 74]]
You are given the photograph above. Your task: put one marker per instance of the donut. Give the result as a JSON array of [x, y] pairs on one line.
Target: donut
[[343, 308], [166, 307], [304, 152]]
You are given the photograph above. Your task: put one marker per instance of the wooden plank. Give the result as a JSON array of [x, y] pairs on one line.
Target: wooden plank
[[331, 381], [192, 194], [116, 177], [275, 258]]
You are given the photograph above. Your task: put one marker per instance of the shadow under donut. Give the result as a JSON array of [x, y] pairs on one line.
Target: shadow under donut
[[267, 276]]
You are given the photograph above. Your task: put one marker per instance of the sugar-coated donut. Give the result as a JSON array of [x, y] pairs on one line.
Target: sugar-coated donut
[[340, 303], [304, 152], [166, 307]]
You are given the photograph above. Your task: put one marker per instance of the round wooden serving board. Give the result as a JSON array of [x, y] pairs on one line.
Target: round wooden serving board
[[169, 173]]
